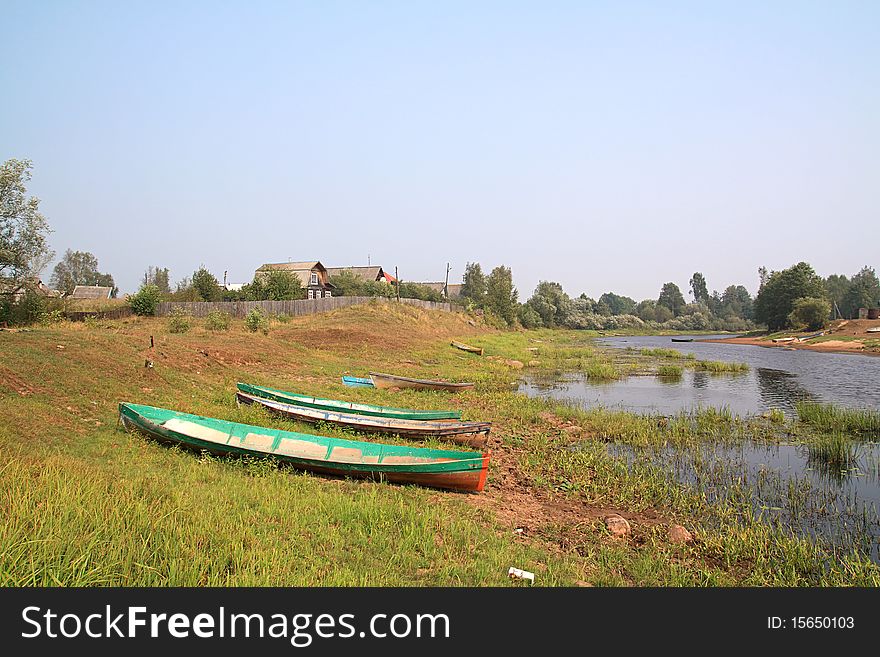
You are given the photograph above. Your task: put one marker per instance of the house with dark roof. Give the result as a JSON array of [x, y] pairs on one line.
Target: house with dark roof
[[367, 274], [312, 274], [91, 292], [448, 291]]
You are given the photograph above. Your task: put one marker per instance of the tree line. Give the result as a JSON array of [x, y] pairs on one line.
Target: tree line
[[796, 297]]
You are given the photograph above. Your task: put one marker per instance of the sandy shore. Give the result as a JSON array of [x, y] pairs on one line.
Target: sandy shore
[[854, 330]]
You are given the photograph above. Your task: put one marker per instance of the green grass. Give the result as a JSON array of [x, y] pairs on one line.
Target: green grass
[[669, 371], [85, 503], [717, 366], [661, 352], [864, 422]]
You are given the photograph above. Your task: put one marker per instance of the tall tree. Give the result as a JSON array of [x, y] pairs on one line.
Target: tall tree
[[158, 276], [671, 299], [837, 285], [699, 289], [473, 284], [618, 305], [206, 284], [501, 295], [78, 268], [24, 248], [863, 292], [775, 299], [551, 303], [736, 302]]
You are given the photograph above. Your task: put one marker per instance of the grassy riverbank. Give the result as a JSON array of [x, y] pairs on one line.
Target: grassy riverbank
[[85, 503]]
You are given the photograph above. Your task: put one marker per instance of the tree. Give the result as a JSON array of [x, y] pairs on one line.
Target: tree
[[158, 276], [79, 268], [146, 300], [671, 299], [810, 312], [646, 310], [775, 299], [280, 285], [551, 303], [699, 290], [501, 295], [618, 305], [24, 249], [863, 292], [474, 284], [735, 302], [206, 284]]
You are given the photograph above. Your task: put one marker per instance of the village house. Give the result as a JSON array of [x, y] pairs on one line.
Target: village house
[[447, 291], [91, 292], [368, 274], [17, 290], [313, 276]]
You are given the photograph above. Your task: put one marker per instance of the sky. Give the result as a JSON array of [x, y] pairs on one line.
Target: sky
[[608, 146]]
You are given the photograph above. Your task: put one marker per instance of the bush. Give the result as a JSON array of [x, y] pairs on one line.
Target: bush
[[217, 320], [178, 322], [256, 321], [809, 312], [146, 300], [529, 317]]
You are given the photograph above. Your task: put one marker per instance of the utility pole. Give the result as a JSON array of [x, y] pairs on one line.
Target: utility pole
[[446, 283], [397, 282]]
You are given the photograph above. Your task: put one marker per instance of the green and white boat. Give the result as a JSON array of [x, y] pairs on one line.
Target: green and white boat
[[346, 407], [437, 468]]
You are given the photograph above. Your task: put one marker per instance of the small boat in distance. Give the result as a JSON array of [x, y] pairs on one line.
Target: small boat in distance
[[357, 382], [682, 339], [466, 347], [344, 406], [437, 468], [782, 339], [392, 381], [473, 434], [876, 329]]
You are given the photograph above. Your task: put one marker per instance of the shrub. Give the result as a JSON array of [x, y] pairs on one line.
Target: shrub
[[809, 312], [178, 322], [529, 317], [146, 300], [256, 321], [50, 317], [217, 320], [283, 318]]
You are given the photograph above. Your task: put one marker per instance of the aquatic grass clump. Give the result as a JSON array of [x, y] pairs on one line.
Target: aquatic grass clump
[[669, 371], [863, 422], [661, 352], [832, 454], [601, 371], [717, 366]]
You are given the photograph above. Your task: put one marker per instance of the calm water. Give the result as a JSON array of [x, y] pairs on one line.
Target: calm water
[[785, 486], [776, 379]]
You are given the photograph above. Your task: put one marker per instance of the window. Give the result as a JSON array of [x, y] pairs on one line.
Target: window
[[328, 294], [314, 280], [311, 294]]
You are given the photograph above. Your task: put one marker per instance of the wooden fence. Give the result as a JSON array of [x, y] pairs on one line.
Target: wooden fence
[[81, 315], [293, 308]]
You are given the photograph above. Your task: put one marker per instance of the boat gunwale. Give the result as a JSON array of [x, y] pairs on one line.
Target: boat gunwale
[[422, 381], [439, 428], [421, 468], [360, 408]]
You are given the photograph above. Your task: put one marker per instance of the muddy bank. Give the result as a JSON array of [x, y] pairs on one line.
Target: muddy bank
[[842, 336]]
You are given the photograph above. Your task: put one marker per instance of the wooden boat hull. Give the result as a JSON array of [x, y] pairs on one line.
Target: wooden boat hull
[[473, 434], [466, 347], [392, 381], [682, 339], [344, 406], [452, 470], [357, 382]]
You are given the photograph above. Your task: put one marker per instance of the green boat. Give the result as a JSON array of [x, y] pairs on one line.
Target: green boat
[[346, 407], [437, 468]]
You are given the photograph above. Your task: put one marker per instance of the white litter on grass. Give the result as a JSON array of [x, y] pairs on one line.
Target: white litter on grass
[[516, 573]]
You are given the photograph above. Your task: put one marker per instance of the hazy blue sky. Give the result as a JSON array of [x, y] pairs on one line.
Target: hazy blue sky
[[604, 145]]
